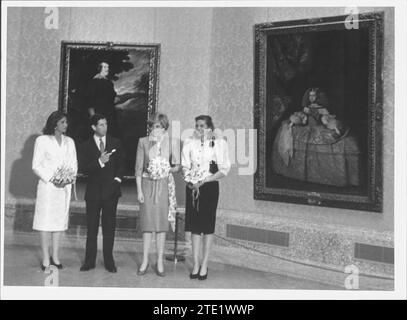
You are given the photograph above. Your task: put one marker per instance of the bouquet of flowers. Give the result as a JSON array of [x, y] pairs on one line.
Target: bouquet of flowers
[[64, 174], [192, 176], [195, 175], [158, 168]]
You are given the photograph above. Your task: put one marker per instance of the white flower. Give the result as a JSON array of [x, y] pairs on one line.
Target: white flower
[[64, 173], [158, 168], [195, 175]]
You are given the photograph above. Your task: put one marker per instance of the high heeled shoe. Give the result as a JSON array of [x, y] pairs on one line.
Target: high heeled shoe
[[194, 275], [160, 274], [43, 268], [143, 272], [204, 276], [52, 262]]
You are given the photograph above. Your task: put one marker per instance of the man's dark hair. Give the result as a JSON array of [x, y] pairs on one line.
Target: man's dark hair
[[95, 119], [52, 121], [99, 66]]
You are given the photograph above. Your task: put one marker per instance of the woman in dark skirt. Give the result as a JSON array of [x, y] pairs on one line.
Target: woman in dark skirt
[[207, 154]]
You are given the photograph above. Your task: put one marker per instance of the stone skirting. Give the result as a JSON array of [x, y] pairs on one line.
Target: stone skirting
[[324, 246], [19, 218]]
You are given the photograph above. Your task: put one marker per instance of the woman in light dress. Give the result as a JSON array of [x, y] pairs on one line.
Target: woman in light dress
[[53, 151], [155, 196]]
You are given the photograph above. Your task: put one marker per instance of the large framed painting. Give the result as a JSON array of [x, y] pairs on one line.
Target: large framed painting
[[318, 111], [118, 80]]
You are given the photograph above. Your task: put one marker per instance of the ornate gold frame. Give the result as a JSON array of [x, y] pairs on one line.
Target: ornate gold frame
[[373, 201], [153, 49]]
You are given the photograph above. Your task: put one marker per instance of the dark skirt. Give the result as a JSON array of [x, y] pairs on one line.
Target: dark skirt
[[200, 217]]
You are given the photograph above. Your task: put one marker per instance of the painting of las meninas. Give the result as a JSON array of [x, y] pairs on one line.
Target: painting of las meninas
[[119, 81], [318, 111]]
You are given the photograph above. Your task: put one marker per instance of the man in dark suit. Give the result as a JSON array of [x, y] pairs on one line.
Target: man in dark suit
[[101, 159]]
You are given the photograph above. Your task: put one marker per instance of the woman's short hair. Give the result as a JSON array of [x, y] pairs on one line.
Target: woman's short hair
[[159, 117], [207, 119], [52, 121]]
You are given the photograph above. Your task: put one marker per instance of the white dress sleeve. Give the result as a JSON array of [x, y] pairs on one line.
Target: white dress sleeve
[[73, 160], [186, 154], [39, 160], [222, 157]]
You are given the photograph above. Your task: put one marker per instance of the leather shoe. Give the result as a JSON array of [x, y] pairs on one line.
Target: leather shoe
[[111, 269], [87, 267], [194, 275], [204, 276], [160, 274], [59, 266], [43, 268], [142, 272]]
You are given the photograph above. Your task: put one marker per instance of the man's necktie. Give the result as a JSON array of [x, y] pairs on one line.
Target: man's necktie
[[101, 146]]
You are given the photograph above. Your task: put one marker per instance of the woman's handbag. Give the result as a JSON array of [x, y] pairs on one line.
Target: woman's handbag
[[213, 167]]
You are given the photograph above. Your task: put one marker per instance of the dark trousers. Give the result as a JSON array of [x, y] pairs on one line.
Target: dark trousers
[[93, 210]]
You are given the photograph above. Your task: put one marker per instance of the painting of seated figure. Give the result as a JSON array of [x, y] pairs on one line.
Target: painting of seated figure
[[318, 111], [316, 147]]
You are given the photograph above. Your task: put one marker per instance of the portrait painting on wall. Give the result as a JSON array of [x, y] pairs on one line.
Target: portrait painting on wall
[[117, 80], [318, 111]]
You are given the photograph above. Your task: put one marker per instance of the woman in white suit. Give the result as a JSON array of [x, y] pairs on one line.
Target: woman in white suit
[[53, 152]]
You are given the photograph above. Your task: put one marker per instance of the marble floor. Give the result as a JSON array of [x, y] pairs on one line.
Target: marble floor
[[21, 268]]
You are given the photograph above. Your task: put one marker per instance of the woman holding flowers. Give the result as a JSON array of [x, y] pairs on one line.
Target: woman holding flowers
[[205, 160], [55, 163], [157, 158]]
